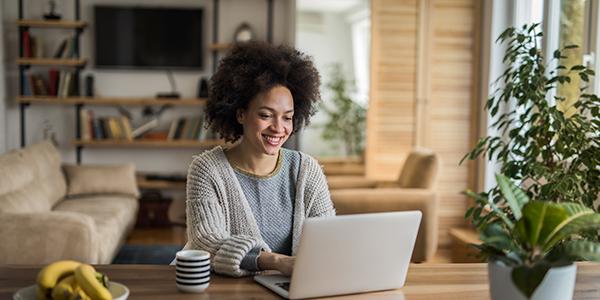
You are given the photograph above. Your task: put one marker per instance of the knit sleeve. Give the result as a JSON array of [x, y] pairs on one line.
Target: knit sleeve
[[207, 223], [318, 199]]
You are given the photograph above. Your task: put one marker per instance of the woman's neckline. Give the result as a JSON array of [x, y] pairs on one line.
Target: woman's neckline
[[251, 174]]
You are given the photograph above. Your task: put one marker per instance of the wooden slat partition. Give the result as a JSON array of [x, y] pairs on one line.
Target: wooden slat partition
[[449, 111], [390, 120], [423, 88]]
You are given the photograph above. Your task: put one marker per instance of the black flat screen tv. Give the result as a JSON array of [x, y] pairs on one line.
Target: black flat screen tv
[[148, 37]]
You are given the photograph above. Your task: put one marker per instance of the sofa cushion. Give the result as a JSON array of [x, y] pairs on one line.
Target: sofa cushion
[[101, 179], [114, 217], [32, 180]]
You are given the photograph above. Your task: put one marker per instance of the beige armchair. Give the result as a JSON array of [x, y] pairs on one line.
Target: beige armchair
[[414, 190]]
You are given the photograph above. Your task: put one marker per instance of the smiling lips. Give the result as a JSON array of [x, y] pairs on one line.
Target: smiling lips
[[272, 140]]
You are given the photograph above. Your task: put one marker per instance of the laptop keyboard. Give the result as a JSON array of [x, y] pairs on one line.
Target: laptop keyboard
[[283, 285]]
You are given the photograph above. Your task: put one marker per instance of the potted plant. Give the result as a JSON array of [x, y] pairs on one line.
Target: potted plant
[[553, 151], [531, 244], [346, 118]]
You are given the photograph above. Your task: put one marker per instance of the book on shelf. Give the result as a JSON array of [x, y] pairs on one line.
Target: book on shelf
[[52, 81], [115, 129], [86, 130], [26, 37], [64, 92], [172, 129], [37, 46], [61, 47], [126, 125], [180, 125]]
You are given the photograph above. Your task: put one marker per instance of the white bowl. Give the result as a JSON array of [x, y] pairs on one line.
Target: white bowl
[[193, 288], [117, 290], [192, 255], [193, 269]]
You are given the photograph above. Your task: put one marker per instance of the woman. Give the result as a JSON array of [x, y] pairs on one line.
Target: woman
[[246, 204]]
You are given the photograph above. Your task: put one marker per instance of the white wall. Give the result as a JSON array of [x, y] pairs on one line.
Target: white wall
[[125, 83], [326, 36]]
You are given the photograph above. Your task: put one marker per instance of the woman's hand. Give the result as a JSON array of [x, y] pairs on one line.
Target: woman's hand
[[276, 261]]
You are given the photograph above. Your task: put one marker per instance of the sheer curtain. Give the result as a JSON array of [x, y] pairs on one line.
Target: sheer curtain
[[497, 16], [563, 22]]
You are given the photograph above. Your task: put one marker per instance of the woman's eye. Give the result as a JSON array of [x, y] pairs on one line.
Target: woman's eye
[[288, 118], [264, 116]]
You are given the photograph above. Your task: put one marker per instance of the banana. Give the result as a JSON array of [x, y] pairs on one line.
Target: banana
[[102, 278], [49, 276], [79, 294], [85, 275], [64, 289]]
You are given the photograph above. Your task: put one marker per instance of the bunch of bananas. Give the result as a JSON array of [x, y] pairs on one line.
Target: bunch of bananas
[[71, 280]]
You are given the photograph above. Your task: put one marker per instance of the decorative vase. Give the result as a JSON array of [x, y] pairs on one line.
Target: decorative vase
[[558, 284]]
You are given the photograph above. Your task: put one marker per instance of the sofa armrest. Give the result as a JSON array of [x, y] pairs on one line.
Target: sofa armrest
[[41, 238], [355, 201], [85, 180], [338, 182]]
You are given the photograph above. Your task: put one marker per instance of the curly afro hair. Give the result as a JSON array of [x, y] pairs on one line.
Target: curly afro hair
[[255, 67]]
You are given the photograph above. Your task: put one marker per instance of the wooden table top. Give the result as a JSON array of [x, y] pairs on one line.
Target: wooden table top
[[425, 281]]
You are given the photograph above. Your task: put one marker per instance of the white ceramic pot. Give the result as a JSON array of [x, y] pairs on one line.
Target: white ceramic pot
[[558, 284]]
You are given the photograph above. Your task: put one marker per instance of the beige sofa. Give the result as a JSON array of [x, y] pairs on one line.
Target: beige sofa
[[50, 212], [414, 190]]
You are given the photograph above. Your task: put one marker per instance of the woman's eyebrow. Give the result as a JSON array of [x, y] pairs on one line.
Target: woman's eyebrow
[[273, 110]]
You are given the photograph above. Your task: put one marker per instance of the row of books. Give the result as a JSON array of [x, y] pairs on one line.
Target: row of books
[[187, 128], [33, 46], [58, 83], [120, 128]]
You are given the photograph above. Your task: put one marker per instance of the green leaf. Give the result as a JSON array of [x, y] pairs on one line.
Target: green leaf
[[556, 54], [496, 236], [577, 223], [577, 68], [515, 197], [527, 279], [577, 250], [571, 46]]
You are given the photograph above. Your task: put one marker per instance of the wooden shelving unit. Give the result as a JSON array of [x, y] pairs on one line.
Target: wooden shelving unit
[[220, 46], [66, 24], [25, 63], [110, 101], [78, 62], [144, 183], [148, 143]]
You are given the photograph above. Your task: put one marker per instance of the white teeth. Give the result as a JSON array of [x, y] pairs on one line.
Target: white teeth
[[272, 140]]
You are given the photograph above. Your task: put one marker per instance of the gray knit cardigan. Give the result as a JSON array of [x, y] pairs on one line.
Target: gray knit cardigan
[[219, 218]]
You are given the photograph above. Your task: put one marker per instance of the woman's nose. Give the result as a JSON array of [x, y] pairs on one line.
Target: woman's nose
[[277, 126]]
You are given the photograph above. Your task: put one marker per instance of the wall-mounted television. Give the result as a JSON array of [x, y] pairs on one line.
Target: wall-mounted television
[[148, 37]]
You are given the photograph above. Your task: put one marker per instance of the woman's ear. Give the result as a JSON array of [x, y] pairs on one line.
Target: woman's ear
[[240, 115]]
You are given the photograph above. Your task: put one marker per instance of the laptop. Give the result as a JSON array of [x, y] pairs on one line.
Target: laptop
[[349, 254]]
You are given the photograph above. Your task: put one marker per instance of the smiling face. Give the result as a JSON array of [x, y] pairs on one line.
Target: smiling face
[[267, 121]]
